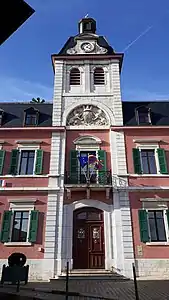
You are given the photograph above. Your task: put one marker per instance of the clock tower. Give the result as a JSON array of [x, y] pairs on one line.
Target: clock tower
[[87, 217]]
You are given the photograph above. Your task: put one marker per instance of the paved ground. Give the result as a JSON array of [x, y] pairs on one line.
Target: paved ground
[[148, 290]]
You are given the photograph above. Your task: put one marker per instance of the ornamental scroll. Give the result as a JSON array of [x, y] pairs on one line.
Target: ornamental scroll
[[87, 115]]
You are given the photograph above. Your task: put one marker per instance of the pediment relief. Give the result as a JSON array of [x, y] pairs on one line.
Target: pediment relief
[[87, 115], [87, 140]]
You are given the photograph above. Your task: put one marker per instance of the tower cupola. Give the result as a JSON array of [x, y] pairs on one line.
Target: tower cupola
[[87, 25]]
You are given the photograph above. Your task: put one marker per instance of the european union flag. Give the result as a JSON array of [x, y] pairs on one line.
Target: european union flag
[[83, 161]]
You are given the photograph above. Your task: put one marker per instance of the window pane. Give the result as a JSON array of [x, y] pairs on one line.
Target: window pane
[[148, 162], [161, 230], [27, 162], [145, 165], [30, 166], [31, 119], [153, 232], [152, 164], [20, 226], [157, 226]]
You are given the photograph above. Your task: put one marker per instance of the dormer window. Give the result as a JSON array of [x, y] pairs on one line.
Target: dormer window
[[1, 116], [99, 76], [31, 117], [75, 76], [143, 115]]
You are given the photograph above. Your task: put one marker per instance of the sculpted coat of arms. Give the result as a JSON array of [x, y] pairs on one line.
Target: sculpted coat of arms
[[87, 115]]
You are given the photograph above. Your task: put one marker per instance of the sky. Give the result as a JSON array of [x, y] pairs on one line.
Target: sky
[[140, 29]]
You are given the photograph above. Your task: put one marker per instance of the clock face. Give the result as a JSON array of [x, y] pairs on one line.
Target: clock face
[[87, 47]]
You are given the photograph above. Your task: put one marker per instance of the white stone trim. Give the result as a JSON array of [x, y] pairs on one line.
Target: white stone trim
[[87, 139], [16, 244], [27, 143], [23, 205], [67, 237], [154, 147], [154, 199], [148, 141], [30, 188], [20, 201], [157, 244], [152, 268]]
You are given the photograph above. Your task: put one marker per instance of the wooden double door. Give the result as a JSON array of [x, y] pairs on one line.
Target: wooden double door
[[88, 239]]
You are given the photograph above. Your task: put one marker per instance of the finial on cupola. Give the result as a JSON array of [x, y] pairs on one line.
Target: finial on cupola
[[87, 25]]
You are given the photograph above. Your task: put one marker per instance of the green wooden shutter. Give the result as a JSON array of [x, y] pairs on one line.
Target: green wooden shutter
[[2, 157], [102, 171], [33, 229], [162, 161], [39, 162], [73, 167], [14, 162], [137, 161], [6, 226], [143, 221], [167, 213]]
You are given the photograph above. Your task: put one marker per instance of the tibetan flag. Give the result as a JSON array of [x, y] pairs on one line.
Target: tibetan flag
[[99, 165], [83, 161], [92, 159]]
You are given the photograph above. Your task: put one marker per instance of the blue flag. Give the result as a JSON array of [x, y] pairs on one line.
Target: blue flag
[[83, 161]]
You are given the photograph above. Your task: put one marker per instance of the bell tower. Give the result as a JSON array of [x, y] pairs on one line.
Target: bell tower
[[86, 108]]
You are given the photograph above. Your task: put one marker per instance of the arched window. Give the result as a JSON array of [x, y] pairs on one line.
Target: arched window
[[75, 76], [99, 76]]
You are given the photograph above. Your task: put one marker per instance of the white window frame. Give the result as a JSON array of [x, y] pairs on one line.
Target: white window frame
[[27, 148], [105, 76], [150, 147], [137, 117], [20, 205], [156, 205]]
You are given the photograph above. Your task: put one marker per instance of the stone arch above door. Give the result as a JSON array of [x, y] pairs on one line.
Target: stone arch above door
[[91, 203]]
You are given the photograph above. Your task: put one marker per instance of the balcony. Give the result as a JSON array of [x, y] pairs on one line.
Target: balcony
[[99, 178]]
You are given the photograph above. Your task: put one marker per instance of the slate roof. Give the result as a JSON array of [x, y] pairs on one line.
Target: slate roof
[[159, 112], [14, 113], [71, 43]]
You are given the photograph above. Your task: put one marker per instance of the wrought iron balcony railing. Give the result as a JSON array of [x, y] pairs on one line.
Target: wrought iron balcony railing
[[100, 178]]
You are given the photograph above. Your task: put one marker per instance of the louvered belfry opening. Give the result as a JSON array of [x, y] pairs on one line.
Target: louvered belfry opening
[[75, 76], [99, 78]]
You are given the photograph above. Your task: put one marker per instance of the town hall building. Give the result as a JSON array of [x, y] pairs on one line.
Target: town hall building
[[84, 179]]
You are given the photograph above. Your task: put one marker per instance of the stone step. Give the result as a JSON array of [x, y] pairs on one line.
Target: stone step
[[91, 275]]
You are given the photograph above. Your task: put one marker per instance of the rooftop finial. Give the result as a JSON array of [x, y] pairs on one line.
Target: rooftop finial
[[86, 16]]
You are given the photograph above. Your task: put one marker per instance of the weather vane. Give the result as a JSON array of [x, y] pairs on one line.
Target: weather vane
[[86, 16]]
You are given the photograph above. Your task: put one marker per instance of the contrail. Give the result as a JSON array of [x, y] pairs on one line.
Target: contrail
[[133, 42]]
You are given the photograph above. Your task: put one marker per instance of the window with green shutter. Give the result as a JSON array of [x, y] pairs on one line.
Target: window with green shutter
[[162, 161], [2, 158], [143, 222], [137, 161], [73, 167], [102, 171], [6, 226], [33, 229], [14, 162], [39, 162]]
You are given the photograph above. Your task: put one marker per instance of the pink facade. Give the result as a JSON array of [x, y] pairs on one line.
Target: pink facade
[[13, 185], [150, 192]]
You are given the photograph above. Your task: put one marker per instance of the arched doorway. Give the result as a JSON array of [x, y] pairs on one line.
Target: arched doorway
[[88, 239]]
